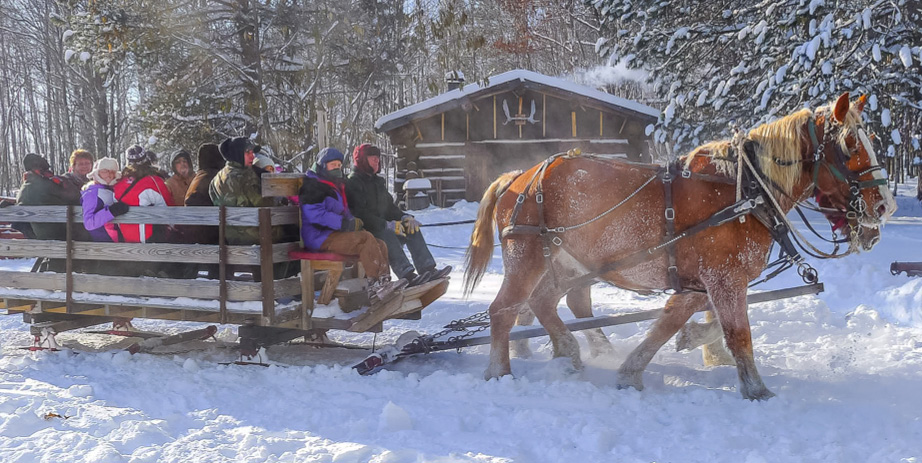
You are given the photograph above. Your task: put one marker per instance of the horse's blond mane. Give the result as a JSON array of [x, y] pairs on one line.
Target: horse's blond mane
[[780, 145]]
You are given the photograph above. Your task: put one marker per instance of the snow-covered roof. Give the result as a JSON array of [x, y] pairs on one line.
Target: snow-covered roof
[[453, 97]]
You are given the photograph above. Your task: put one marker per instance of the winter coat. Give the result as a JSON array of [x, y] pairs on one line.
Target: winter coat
[[370, 201], [96, 200], [237, 186], [179, 184], [150, 190], [44, 189], [323, 208], [73, 183]]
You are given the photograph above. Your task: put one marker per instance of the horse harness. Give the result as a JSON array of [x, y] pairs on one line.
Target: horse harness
[[751, 201]]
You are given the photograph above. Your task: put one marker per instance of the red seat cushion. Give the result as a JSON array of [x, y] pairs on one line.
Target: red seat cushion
[[302, 254]]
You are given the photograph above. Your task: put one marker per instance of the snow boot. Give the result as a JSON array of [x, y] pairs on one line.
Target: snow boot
[[382, 289], [417, 280], [439, 274]]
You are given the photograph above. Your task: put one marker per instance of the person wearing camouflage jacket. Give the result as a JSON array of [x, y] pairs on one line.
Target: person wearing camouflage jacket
[[236, 185]]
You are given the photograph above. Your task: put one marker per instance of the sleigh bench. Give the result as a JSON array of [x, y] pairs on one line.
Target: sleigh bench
[[285, 308]]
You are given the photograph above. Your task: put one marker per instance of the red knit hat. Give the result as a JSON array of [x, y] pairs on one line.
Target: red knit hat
[[360, 157]]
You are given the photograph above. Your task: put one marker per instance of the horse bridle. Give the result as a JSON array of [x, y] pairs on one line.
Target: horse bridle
[[856, 204]]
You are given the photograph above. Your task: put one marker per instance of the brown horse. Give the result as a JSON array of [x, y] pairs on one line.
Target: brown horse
[[713, 266]]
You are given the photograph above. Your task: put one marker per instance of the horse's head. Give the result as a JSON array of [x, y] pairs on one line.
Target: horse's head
[[848, 181]]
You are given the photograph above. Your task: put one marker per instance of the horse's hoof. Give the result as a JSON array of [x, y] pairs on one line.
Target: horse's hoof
[[630, 380], [760, 395], [495, 373], [520, 348]]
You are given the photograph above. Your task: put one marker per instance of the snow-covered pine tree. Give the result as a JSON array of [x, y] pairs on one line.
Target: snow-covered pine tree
[[714, 64]]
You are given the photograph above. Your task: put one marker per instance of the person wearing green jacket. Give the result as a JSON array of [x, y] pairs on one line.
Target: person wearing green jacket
[[369, 200], [236, 185]]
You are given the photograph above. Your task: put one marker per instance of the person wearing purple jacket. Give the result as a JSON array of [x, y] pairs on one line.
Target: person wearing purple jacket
[[98, 200], [328, 226]]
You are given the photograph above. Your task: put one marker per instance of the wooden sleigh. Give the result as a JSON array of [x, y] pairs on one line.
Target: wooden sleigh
[[267, 310]]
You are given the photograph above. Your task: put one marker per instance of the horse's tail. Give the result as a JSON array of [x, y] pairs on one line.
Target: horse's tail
[[480, 250]]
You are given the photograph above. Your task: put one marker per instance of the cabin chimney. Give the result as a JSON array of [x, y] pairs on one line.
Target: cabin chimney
[[454, 79]]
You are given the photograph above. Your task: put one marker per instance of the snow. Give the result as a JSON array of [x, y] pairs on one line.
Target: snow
[[895, 136], [520, 75], [417, 184], [85, 56], [906, 56], [846, 365], [885, 118], [68, 54]]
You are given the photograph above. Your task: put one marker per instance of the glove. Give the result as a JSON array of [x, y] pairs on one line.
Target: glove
[[396, 227], [410, 224], [359, 224], [348, 224], [118, 208]]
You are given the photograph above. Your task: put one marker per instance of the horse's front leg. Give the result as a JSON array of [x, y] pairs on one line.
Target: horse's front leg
[[678, 310], [520, 347], [579, 300], [729, 300]]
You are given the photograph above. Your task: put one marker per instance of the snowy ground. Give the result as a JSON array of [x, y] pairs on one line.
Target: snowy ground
[[846, 365]]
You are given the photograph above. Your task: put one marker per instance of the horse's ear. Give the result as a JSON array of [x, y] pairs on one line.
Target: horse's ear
[[860, 103], [841, 109]]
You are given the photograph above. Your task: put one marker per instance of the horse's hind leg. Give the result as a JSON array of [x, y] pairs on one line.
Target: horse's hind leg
[[678, 309], [520, 347], [543, 303], [509, 303], [579, 300], [731, 308], [715, 352], [709, 336]]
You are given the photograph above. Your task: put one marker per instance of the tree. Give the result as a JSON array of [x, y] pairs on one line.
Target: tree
[[713, 64]]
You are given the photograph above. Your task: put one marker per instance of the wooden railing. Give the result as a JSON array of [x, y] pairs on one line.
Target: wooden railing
[[264, 254]]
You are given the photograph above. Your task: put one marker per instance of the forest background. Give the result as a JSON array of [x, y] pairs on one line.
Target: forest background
[[170, 74]]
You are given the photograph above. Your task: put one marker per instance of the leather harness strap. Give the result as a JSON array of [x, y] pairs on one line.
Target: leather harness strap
[[672, 270]]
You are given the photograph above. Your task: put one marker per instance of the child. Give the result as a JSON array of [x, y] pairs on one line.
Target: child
[[99, 204]]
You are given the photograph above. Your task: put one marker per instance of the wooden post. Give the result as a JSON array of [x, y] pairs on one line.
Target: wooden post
[[266, 264], [307, 295], [222, 262], [69, 260], [438, 192]]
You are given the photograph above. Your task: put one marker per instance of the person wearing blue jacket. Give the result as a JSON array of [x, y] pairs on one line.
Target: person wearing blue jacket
[[328, 226]]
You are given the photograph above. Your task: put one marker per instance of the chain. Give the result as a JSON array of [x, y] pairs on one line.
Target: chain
[[468, 327]]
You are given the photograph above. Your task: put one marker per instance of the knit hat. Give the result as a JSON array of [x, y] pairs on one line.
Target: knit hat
[[326, 155], [105, 164], [209, 157], [360, 157], [233, 149], [33, 161], [137, 155]]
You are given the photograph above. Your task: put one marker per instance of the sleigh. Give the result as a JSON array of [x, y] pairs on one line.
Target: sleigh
[[268, 309]]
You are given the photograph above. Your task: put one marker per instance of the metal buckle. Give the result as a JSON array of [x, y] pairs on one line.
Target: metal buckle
[[521, 198], [539, 198], [670, 213], [686, 174], [547, 251], [557, 241], [560, 229]]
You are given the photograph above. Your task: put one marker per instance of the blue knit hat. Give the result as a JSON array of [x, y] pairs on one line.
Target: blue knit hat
[[326, 155]]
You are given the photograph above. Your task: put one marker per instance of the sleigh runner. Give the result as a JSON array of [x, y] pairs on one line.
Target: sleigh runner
[[245, 292]]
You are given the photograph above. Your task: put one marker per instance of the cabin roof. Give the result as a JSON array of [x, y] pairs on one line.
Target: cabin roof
[[506, 81]]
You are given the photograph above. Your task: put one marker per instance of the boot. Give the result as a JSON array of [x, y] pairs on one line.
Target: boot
[[415, 280], [382, 288], [439, 274]]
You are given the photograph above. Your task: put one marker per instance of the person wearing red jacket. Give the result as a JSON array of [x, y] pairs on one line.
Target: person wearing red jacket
[[141, 185]]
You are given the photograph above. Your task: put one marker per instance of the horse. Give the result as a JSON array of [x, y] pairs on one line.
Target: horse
[[575, 230]]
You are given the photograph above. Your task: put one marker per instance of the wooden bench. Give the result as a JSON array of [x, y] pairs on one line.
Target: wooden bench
[[333, 264]]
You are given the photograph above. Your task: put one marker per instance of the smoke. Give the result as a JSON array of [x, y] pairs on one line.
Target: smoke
[[611, 75]]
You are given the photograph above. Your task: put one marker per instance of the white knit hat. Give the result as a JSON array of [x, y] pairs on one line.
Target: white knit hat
[[105, 164]]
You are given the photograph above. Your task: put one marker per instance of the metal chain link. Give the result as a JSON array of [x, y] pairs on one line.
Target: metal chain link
[[468, 327]]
